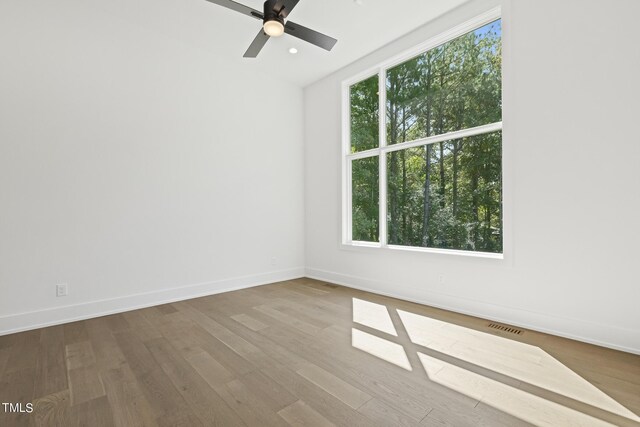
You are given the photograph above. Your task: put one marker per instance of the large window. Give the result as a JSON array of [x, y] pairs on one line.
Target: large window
[[423, 147]]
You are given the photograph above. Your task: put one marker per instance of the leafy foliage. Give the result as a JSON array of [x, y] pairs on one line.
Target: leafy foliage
[[364, 114], [446, 194], [365, 189]]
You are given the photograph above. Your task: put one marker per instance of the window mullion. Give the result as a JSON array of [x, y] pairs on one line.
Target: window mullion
[[346, 164], [382, 161], [349, 190]]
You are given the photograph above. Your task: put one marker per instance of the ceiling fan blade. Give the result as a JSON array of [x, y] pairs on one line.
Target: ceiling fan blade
[[257, 45], [310, 35], [245, 10], [286, 6]]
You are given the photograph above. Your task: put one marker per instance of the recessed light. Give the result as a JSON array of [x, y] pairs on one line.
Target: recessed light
[[293, 51]]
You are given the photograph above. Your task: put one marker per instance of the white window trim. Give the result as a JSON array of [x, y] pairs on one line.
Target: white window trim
[[381, 151]]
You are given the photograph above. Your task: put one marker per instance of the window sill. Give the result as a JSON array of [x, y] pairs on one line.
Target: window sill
[[367, 246]]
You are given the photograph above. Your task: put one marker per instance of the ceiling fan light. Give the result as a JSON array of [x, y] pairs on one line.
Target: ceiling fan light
[[273, 28]]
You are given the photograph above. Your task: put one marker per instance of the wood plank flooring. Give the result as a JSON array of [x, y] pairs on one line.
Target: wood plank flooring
[[309, 353]]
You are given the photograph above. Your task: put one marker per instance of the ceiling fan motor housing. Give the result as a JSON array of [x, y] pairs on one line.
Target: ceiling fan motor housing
[[270, 14], [273, 19]]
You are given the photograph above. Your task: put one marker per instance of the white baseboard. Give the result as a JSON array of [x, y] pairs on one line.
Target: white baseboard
[[54, 316], [622, 339]]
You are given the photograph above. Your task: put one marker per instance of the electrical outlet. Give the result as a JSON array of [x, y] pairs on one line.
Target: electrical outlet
[[62, 290], [441, 279], [274, 261]]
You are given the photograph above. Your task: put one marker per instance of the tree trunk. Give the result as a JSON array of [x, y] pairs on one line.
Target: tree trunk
[[474, 210], [426, 213], [454, 185], [393, 200], [442, 181], [405, 233], [487, 230], [427, 200], [404, 207], [441, 130], [393, 170]]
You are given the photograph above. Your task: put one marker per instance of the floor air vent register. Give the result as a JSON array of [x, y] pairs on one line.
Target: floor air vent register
[[505, 328]]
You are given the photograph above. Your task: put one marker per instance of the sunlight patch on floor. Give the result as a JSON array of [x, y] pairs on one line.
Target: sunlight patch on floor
[[510, 400], [518, 362], [373, 315], [381, 348], [514, 359]]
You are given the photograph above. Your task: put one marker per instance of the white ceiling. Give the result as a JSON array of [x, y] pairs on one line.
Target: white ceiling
[[360, 29]]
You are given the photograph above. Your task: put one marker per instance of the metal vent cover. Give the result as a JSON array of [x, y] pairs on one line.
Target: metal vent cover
[[506, 328]]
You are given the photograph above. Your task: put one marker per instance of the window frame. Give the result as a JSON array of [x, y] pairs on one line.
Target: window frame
[[381, 151]]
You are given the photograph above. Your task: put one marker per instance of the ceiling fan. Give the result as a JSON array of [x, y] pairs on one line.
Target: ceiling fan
[[274, 24]]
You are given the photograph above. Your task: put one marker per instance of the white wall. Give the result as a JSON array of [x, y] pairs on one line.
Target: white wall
[[133, 167], [127, 170], [572, 202]]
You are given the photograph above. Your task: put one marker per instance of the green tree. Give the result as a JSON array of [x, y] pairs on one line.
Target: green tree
[[447, 194]]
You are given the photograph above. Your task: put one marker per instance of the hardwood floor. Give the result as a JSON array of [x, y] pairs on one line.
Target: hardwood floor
[[308, 353]]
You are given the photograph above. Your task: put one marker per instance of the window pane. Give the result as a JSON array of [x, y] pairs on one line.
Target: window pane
[[463, 181], [365, 191], [454, 86], [364, 115]]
